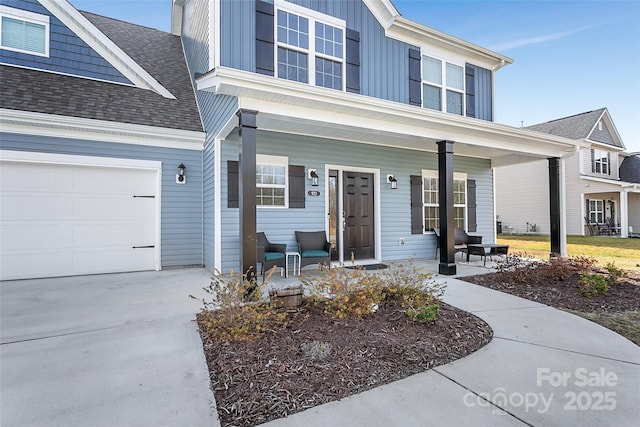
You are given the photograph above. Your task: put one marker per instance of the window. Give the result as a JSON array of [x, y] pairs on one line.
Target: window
[[271, 181], [600, 161], [23, 31], [596, 211], [431, 202], [442, 94], [309, 50]]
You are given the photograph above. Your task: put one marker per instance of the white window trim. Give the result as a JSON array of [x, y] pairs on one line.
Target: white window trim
[[457, 176], [263, 159], [312, 16], [596, 210], [443, 86], [601, 157], [27, 16]]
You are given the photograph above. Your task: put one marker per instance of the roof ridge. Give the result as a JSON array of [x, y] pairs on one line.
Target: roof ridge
[[569, 117]]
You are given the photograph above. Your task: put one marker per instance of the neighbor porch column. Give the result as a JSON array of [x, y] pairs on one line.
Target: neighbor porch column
[[445, 193], [555, 206], [624, 214], [247, 192]]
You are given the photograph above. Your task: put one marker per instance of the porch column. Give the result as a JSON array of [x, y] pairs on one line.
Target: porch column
[[445, 193], [247, 192], [624, 214], [554, 206]]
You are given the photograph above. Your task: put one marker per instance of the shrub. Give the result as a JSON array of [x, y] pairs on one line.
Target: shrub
[[592, 284], [346, 293], [233, 314], [424, 314], [615, 273]]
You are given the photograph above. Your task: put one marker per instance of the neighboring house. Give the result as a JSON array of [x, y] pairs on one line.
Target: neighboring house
[[309, 109], [602, 181]]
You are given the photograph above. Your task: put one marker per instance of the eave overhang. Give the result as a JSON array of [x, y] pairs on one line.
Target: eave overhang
[[296, 108], [56, 126]]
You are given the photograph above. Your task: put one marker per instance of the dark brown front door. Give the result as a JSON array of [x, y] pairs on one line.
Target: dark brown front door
[[358, 230]]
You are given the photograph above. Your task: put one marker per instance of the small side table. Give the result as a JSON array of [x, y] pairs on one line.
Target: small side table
[[296, 259], [487, 249]]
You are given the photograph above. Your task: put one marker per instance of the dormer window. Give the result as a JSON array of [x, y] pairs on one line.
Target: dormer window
[[23, 31], [442, 94], [600, 161], [310, 47]]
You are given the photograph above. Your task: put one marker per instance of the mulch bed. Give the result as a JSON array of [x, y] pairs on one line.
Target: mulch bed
[[272, 377], [621, 296]]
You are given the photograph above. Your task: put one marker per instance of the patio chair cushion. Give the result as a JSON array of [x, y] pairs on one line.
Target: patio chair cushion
[[314, 254], [272, 256]]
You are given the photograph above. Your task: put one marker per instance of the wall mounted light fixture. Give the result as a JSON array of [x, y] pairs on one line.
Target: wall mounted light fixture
[[181, 178], [393, 181], [313, 175]]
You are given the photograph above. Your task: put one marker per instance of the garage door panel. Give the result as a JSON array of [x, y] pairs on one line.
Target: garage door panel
[[28, 264], [120, 236], [29, 206], [23, 236], [38, 177], [58, 220], [96, 207], [127, 182]]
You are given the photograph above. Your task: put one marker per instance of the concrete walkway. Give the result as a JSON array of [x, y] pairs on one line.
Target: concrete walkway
[[123, 349]]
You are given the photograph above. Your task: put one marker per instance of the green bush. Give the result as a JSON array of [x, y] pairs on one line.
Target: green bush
[[592, 284], [424, 314], [615, 273]]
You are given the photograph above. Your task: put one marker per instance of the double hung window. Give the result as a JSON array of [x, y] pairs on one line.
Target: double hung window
[[23, 31], [431, 200], [310, 49], [271, 181], [443, 85]]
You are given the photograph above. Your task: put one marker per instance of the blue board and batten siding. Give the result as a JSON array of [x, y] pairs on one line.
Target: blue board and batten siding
[[68, 53], [181, 205], [395, 205], [382, 60], [215, 111]]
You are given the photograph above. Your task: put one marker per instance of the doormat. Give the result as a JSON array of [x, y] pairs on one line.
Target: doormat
[[369, 267]]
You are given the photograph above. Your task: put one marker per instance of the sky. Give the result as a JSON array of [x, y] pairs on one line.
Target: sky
[[569, 56]]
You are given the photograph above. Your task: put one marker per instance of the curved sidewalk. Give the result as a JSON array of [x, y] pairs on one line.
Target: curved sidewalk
[[544, 367]]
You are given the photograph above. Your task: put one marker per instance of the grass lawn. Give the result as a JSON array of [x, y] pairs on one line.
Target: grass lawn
[[625, 253]]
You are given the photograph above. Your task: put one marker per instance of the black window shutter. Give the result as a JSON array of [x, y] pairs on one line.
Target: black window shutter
[[296, 187], [353, 61], [415, 81], [264, 38], [470, 84], [608, 163], [233, 190], [472, 220], [593, 160], [417, 214]]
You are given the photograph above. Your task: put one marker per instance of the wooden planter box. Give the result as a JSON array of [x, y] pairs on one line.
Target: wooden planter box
[[288, 298]]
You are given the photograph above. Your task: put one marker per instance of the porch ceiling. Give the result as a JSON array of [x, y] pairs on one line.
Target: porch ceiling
[[296, 108]]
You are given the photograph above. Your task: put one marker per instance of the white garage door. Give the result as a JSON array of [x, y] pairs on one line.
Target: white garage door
[[60, 220]]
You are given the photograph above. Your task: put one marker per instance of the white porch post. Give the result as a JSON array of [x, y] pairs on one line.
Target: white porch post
[[624, 214]]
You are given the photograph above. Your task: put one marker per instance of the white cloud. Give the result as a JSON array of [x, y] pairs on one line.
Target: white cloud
[[536, 40]]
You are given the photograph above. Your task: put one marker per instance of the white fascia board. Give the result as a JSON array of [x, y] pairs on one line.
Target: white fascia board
[[55, 126], [414, 33], [602, 180], [383, 10], [106, 48], [399, 117], [177, 10]]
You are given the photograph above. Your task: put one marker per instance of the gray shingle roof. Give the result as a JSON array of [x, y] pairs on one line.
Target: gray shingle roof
[[574, 127], [630, 169], [159, 53]]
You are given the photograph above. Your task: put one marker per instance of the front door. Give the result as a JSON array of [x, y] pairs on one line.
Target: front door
[[358, 221]]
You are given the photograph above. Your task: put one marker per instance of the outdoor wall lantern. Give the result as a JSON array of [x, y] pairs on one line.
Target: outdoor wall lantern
[[313, 175], [393, 181], [181, 178]]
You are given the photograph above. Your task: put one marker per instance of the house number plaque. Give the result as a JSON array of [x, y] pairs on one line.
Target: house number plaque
[[313, 193]]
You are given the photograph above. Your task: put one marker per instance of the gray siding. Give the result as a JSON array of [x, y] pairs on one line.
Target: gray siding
[[602, 135], [280, 224], [195, 35], [181, 225], [384, 62]]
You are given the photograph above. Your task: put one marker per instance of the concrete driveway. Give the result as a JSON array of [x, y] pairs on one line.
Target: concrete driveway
[[104, 350]]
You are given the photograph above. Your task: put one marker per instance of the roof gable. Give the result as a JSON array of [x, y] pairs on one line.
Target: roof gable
[[584, 126], [104, 46]]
